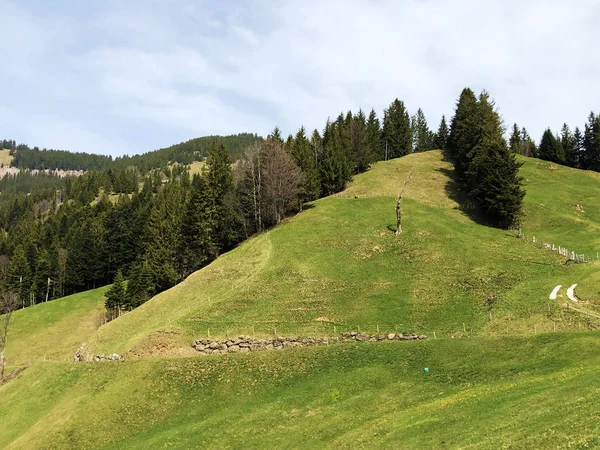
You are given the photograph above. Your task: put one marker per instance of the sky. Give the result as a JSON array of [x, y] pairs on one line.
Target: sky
[[126, 77]]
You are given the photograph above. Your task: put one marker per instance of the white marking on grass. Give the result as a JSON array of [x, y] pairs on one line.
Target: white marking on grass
[[571, 292], [554, 293]]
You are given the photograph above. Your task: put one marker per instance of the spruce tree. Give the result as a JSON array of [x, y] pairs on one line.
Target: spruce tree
[[578, 145], [116, 295], [360, 150], [441, 137], [493, 172], [374, 137], [515, 139], [198, 223], [567, 141], [550, 149], [303, 155], [422, 135], [220, 185], [463, 131], [397, 134], [591, 143]]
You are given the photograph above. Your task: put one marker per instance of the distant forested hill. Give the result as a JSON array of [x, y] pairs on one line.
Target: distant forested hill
[[187, 152], [25, 157]]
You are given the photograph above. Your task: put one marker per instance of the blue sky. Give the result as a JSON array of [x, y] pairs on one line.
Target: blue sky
[[119, 77]]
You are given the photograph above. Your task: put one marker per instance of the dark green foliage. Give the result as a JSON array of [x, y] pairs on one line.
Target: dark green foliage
[[198, 225], [515, 139], [423, 137], [116, 297], [567, 143], [374, 137], [359, 146], [306, 159], [335, 165], [441, 137], [591, 143], [397, 135], [27, 158], [139, 285], [463, 131], [489, 171], [578, 146], [550, 148]]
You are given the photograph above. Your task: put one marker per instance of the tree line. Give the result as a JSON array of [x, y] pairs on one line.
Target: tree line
[[184, 153], [576, 149]]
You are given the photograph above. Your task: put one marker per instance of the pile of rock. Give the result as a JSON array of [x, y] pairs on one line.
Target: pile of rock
[[111, 357], [244, 344], [362, 337]]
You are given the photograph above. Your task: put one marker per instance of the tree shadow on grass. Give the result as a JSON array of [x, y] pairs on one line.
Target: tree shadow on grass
[[454, 192]]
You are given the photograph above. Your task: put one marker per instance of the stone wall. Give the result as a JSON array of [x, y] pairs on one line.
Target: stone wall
[[244, 344]]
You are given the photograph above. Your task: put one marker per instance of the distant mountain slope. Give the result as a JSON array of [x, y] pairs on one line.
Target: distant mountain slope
[[196, 149]]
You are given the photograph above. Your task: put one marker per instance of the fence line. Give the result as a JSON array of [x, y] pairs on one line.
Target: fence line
[[562, 251]]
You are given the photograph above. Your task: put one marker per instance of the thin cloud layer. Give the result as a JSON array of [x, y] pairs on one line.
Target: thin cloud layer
[[128, 77]]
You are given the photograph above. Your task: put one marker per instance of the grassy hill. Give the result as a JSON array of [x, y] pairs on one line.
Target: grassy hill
[[5, 157], [515, 392], [336, 267], [53, 331], [338, 264]]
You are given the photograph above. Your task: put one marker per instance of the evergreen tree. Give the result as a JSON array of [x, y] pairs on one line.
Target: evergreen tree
[[276, 135], [163, 234], [442, 135], [334, 167], [374, 137], [19, 273], [591, 143], [463, 131], [422, 135], [116, 295], [220, 185], [360, 150], [303, 155], [515, 139], [493, 172], [567, 142], [397, 135], [550, 148], [527, 146], [578, 145], [139, 285], [198, 222]]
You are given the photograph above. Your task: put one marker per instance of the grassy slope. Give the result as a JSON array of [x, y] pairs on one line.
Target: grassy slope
[[480, 393], [339, 260], [5, 158], [54, 330]]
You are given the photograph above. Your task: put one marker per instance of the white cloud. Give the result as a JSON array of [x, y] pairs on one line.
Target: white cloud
[[150, 74]]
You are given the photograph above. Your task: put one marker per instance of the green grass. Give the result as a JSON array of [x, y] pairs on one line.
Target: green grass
[[53, 331], [515, 392], [339, 265], [5, 157]]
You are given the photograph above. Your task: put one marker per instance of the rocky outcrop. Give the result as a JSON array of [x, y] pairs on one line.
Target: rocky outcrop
[[244, 344]]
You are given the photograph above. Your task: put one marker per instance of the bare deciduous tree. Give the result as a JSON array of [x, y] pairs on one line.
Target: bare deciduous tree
[[399, 207], [281, 179], [8, 304]]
